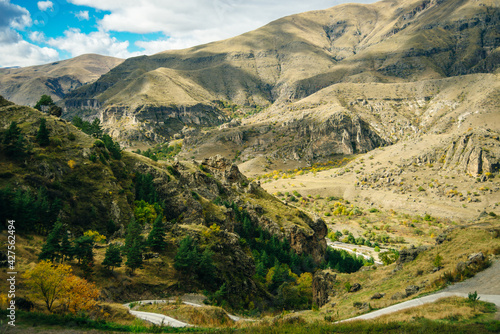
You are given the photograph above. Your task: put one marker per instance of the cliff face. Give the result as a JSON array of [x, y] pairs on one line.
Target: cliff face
[[218, 177]]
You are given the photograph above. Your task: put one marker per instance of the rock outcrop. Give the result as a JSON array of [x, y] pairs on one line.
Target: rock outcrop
[[323, 286], [410, 254]]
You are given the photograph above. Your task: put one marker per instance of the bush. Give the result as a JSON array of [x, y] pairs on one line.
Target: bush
[[98, 143], [71, 136]]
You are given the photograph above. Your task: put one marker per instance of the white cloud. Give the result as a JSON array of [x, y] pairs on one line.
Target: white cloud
[[82, 15], [191, 22], [15, 50], [37, 36], [18, 52], [45, 5], [77, 43]]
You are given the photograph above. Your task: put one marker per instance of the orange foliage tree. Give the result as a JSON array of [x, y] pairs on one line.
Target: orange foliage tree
[[58, 287]]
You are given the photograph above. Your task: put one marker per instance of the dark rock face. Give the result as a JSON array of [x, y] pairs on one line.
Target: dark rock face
[[323, 286], [411, 290], [410, 254], [355, 287]]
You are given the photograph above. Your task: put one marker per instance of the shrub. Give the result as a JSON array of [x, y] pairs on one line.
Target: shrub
[[98, 143], [71, 136]]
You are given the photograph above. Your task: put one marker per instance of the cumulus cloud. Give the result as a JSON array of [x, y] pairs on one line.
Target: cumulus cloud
[[82, 15], [37, 36], [13, 16], [15, 50], [45, 5], [191, 22], [77, 43]]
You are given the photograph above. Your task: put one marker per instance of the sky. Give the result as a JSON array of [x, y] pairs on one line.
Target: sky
[[39, 32]]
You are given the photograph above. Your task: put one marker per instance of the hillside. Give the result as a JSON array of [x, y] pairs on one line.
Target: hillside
[[289, 60], [26, 85], [81, 182]]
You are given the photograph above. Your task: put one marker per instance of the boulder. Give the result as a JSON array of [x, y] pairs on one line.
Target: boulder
[[355, 287], [378, 295], [411, 290], [410, 254], [476, 257], [398, 296]]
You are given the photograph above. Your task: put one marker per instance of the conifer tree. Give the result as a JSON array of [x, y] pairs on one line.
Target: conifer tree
[[187, 255], [156, 238], [42, 136], [83, 249], [134, 256], [51, 250], [133, 232], [66, 247], [14, 141], [113, 257]]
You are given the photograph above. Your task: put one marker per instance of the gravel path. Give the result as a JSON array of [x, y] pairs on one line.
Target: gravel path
[[486, 283]]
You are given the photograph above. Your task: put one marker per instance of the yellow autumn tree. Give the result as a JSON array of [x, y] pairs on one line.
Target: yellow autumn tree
[[96, 236], [56, 286], [47, 282], [80, 295]]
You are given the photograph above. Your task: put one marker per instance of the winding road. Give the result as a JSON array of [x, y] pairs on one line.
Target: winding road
[[486, 283], [349, 248], [160, 319]]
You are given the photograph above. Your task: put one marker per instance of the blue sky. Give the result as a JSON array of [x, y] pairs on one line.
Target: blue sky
[[38, 32]]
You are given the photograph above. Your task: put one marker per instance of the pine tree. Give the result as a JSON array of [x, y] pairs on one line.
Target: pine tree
[[95, 128], [14, 141], [83, 249], [186, 258], [42, 136], [133, 232], [51, 250], [113, 257], [156, 238], [66, 247], [134, 256], [205, 268]]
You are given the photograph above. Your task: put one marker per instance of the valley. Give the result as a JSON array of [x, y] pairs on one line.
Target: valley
[[325, 166]]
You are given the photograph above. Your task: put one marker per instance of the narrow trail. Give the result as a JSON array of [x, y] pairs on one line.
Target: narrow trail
[[486, 283]]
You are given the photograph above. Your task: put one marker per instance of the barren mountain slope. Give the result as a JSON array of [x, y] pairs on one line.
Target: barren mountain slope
[[152, 98], [26, 85]]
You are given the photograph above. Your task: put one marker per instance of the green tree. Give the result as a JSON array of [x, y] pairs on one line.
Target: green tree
[[156, 238], [144, 212], [45, 100], [51, 250], [113, 148], [66, 247], [205, 268], [14, 141], [186, 258], [113, 257], [133, 232], [55, 110], [134, 256], [42, 136], [96, 129], [83, 249]]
